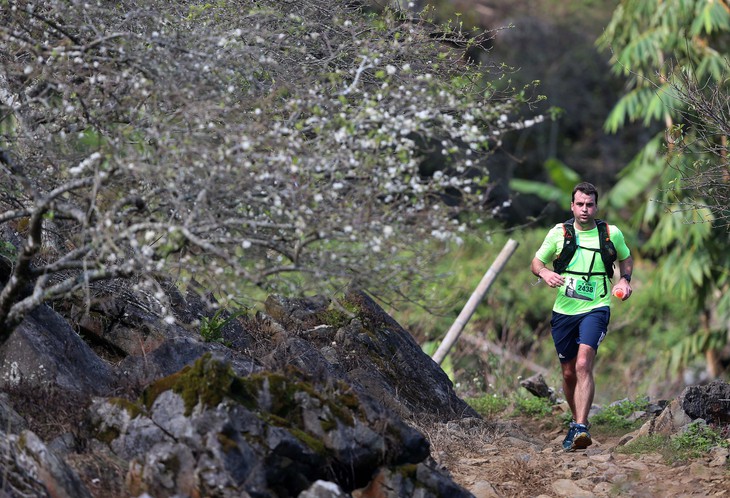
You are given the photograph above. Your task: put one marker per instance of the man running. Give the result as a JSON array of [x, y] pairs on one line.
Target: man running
[[583, 275]]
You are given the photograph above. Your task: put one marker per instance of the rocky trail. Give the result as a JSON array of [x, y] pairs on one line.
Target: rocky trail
[[523, 458]]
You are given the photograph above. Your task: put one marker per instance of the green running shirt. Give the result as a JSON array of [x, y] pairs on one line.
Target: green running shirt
[[578, 295]]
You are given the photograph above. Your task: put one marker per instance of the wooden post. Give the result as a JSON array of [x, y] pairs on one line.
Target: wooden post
[[471, 305]]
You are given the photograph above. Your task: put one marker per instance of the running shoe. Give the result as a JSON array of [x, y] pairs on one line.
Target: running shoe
[[578, 437], [568, 441], [582, 438]]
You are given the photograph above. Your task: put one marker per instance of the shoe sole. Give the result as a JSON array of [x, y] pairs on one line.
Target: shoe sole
[[581, 441]]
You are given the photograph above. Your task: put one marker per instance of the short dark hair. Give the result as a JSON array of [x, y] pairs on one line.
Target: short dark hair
[[586, 188]]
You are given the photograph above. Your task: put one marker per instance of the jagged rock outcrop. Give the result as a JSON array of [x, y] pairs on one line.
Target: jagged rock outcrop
[[205, 430], [370, 350], [308, 392]]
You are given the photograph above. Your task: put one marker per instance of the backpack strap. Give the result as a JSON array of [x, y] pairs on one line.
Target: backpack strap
[[569, 247], [607, 249]]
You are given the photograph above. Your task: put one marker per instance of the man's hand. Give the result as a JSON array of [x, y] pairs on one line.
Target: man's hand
[[551, 278], [623, 288]]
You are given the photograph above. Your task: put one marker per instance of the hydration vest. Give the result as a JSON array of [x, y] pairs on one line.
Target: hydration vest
[[606, 249]]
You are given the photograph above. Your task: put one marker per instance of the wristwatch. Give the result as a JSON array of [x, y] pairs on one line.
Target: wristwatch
[[626, 277]]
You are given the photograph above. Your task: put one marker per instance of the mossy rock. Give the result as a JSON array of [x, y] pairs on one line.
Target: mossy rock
[[208, 382]]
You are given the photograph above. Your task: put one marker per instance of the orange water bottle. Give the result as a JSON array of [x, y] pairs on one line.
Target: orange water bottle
[[619, 292]]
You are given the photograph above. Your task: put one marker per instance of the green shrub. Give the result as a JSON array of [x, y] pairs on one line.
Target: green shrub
[[533, 407], [613, 418], [656, 443], [696, 440], [488, 405], [339, 316], [211, 328]]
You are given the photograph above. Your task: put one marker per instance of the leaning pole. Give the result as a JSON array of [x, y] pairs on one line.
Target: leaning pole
[[471, 305]]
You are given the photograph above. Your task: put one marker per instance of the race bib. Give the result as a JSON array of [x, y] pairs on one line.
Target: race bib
[[577, 288]]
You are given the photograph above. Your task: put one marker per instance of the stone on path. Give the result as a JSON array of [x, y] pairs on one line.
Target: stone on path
[[567, 487], [484, 489]]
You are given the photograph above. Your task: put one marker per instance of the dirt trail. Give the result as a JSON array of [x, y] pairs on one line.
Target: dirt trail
[[524, 459]]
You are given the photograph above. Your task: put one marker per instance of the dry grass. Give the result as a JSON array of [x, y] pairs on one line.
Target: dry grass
[[453, 440], [32, 404], [509, 468], [102, 473], [515, 475]]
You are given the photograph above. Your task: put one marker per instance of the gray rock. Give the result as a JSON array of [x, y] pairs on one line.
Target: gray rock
[[10, 420], [383, 360], [329, 407], [179, 350], [64, 444], [429, 482], [668, 422], [323, 489], [299, 313], [537, 386], [656, 407], [710, 402], [719, 456], [44, 350], [30, 468]]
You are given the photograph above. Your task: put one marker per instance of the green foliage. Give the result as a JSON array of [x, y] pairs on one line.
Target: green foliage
[[694, 442], [8, 251], [673, 55], [613, 418], [655, 443], [635, 180], [91, 139], [694, 346], [533, 406], [195, 12], [489, 405], [493, 405], [211, 328], [563, 180]]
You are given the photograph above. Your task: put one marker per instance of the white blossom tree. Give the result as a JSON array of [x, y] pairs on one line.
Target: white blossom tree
[[288, 145]]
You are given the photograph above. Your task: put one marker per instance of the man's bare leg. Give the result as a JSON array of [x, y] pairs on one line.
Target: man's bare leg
[[579, 388], [585, 386], [569, 381]]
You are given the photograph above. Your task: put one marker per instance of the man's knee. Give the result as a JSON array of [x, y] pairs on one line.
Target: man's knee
[[584, 364], [569, 373]]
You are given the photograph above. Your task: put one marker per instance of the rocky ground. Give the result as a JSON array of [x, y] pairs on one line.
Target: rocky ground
[[522, 458]]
